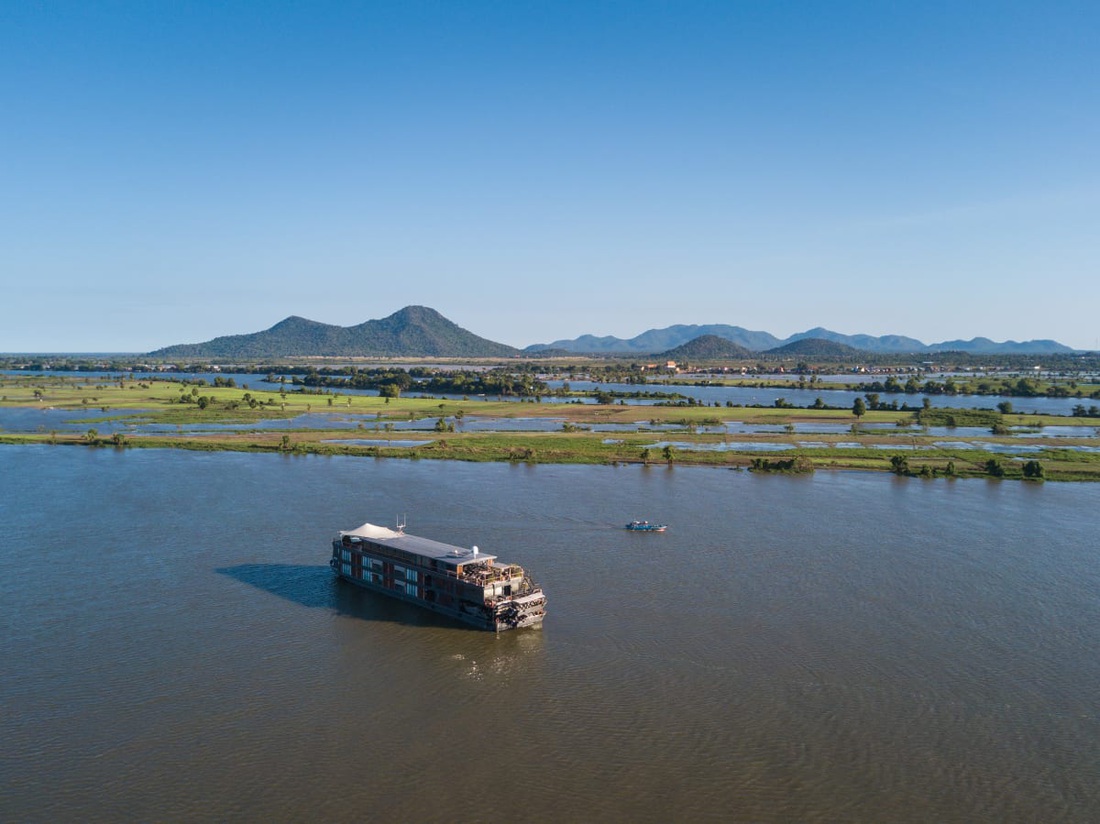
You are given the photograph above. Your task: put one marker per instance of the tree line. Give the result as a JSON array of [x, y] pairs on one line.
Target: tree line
[[392, 382]]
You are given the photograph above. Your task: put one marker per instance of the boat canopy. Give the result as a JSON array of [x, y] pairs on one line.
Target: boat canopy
[[371, 531]]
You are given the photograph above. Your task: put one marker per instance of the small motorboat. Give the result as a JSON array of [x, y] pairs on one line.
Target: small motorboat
[[646, 526]]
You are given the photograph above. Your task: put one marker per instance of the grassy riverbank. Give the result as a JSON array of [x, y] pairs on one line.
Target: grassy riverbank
[[880, 440]]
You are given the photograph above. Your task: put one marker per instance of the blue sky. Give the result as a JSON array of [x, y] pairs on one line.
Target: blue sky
[[174, 171]]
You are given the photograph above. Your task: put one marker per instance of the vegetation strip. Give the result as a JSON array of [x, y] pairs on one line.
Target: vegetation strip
[[686, 435]]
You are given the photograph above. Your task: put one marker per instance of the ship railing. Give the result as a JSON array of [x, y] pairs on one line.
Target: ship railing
[[479, 578], [527, 586], [486, 575]]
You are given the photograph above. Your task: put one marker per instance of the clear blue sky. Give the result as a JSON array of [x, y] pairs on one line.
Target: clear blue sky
[[174, 171]]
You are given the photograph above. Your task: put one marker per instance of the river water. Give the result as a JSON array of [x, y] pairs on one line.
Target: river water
[[841, 647], [708, 395], [839, 398]]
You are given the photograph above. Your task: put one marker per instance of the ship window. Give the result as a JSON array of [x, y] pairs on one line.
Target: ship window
[[410, 575], [346, 555], [398, 571], [346, 569]]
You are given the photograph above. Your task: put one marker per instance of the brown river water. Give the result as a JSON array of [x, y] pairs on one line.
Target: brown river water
[[841, 647]]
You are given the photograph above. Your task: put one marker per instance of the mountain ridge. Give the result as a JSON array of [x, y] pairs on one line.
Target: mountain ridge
[[415, 331], [419, 331], [671, 337]]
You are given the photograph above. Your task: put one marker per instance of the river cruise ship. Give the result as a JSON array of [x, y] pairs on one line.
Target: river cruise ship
[[463, 583]]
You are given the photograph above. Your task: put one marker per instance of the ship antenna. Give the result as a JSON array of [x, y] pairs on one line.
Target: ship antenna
[[401, 523]]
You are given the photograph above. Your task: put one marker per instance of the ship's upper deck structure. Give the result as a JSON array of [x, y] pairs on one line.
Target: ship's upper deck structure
[[467, 563]]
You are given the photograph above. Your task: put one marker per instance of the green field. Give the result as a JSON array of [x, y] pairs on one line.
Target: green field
[[909, 450]]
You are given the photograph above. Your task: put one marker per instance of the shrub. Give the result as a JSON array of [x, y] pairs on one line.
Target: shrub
[[1033, 470]]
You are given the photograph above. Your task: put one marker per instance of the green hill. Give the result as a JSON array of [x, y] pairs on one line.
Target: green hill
[[415, 331], [817, 348], [708, 347]]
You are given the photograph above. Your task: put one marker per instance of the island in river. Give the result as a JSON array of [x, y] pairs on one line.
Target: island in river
[[126, 411]]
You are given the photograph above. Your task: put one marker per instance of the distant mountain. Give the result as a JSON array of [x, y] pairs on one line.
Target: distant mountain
[[707, 347], [662, 340], [866, 343], [984, 346], [415, 331], [816, 348]]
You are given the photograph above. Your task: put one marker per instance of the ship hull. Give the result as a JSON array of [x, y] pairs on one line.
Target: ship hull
[[472, 615], [457, 582]]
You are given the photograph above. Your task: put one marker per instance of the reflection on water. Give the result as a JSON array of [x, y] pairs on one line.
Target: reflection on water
[[707, 395], [837, 398], [377, 442], [728, 446], [15, 419], [835, 647]]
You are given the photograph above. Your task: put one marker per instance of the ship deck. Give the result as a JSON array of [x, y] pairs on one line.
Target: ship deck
[[448, 555]]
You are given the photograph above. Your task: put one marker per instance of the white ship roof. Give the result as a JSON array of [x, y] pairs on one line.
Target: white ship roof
[[448, 554], [371, 531]]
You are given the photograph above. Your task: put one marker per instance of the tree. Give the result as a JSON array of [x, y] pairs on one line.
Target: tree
[[1005, 407], [1033, 470], [1026, 387], [859, 408], [669, 453], [899, 465]]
